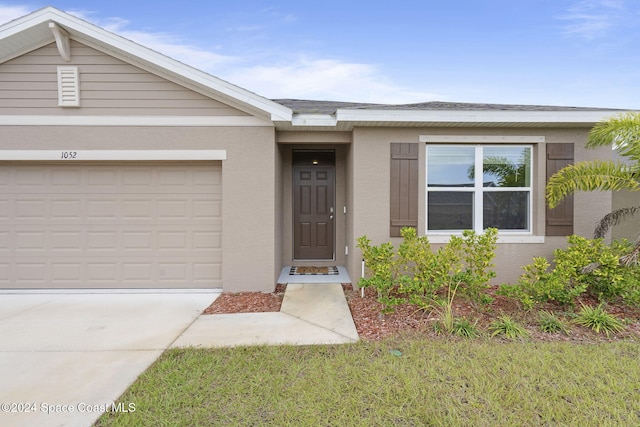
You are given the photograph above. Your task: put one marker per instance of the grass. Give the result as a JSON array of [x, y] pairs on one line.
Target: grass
[[433, 382]]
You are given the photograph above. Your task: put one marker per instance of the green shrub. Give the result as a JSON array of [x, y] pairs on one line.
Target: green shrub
[[382, 266], [539, 284], [585, 266], [598, 320], [422, 271], [478, 252], [418, 275], [508, 327]]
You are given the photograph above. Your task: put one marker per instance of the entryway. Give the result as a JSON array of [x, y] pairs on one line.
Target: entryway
[[314, 205]]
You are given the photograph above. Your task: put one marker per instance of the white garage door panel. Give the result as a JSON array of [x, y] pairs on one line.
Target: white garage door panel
[[111, 226]]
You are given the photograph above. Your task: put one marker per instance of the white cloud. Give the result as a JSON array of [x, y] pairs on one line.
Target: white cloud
[[301, 77], [324, 79], [327, 79], [590, 19], [165, 43], [9, 13]]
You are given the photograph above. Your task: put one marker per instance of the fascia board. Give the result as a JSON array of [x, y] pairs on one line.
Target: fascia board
[[314, 120], [428, 116], [26, 22], [83, 29]]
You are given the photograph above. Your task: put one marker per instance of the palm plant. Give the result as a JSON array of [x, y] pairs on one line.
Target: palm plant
[[623, 133]]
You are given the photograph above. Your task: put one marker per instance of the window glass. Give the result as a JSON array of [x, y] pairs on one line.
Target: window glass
[[461, 198], [450, 166], [450, 210], [505, 210], [506, 166]]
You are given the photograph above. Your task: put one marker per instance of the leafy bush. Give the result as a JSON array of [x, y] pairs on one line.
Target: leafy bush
[[381, 263], [586, 265], [508, 327], [423, 271], [477, 253], [598, 320], [539, 284], [418, 274]]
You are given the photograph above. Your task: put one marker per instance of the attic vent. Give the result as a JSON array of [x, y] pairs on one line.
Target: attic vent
[[68, 87]]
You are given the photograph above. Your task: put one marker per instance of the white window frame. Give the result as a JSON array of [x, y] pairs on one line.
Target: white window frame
[[478, 189]]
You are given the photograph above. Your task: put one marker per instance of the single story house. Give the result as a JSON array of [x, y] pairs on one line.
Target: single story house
[[123, 168]]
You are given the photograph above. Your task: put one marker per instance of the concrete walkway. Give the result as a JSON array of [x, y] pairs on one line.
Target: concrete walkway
[[310, 314], [66, 357]]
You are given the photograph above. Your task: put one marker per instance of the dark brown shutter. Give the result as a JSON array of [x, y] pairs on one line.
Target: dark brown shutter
[[404, 187], [560, 218]]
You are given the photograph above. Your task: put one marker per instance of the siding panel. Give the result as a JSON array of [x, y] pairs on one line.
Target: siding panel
[[109, 86]]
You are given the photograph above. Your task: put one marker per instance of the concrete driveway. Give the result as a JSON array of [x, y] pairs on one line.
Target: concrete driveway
[[66, 357]]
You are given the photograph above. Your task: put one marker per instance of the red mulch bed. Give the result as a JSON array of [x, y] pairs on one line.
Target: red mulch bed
[[373, 325], [247, 302]]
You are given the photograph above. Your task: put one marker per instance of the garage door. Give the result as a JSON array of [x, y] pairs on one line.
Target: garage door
[[152, 225]]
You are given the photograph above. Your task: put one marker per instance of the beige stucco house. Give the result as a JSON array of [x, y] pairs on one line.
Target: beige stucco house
[[122, 168]]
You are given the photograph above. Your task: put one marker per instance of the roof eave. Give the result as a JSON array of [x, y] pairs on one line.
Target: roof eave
[[347, 119]]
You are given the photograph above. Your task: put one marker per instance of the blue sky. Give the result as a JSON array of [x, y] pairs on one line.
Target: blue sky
[[551, 52]]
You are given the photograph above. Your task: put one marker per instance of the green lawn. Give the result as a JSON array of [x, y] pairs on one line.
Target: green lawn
[[433, 382]]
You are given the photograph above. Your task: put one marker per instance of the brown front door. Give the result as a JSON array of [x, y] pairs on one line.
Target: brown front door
[[314, 211]]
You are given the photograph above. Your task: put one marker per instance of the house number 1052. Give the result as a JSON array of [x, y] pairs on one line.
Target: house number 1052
[[68, 154]]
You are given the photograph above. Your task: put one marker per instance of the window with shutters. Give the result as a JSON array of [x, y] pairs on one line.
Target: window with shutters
[[474, 187], [68, 87]]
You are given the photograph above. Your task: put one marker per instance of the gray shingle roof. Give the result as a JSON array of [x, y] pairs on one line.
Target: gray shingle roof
[[301, 106]]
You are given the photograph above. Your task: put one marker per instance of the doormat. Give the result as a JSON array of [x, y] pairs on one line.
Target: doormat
[[314, 271]]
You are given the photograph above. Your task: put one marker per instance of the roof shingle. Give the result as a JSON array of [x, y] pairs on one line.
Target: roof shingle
[[301, 106]]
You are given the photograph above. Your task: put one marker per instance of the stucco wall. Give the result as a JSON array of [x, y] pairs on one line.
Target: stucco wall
[[248, 182], [370, 181], [629, 229]]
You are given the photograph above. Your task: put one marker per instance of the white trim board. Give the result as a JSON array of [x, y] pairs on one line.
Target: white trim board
[[502, 239], [69, 156], [483, 139], [209, 121]]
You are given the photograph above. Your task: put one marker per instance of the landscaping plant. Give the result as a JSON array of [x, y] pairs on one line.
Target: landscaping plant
[[463, 327], [585, 266], [599, 320], [419, 275], [623, 133], [508, 327], [381, 264], [550, 323]]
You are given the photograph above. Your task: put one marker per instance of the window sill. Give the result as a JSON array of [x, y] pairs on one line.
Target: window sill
[[444, 238]]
